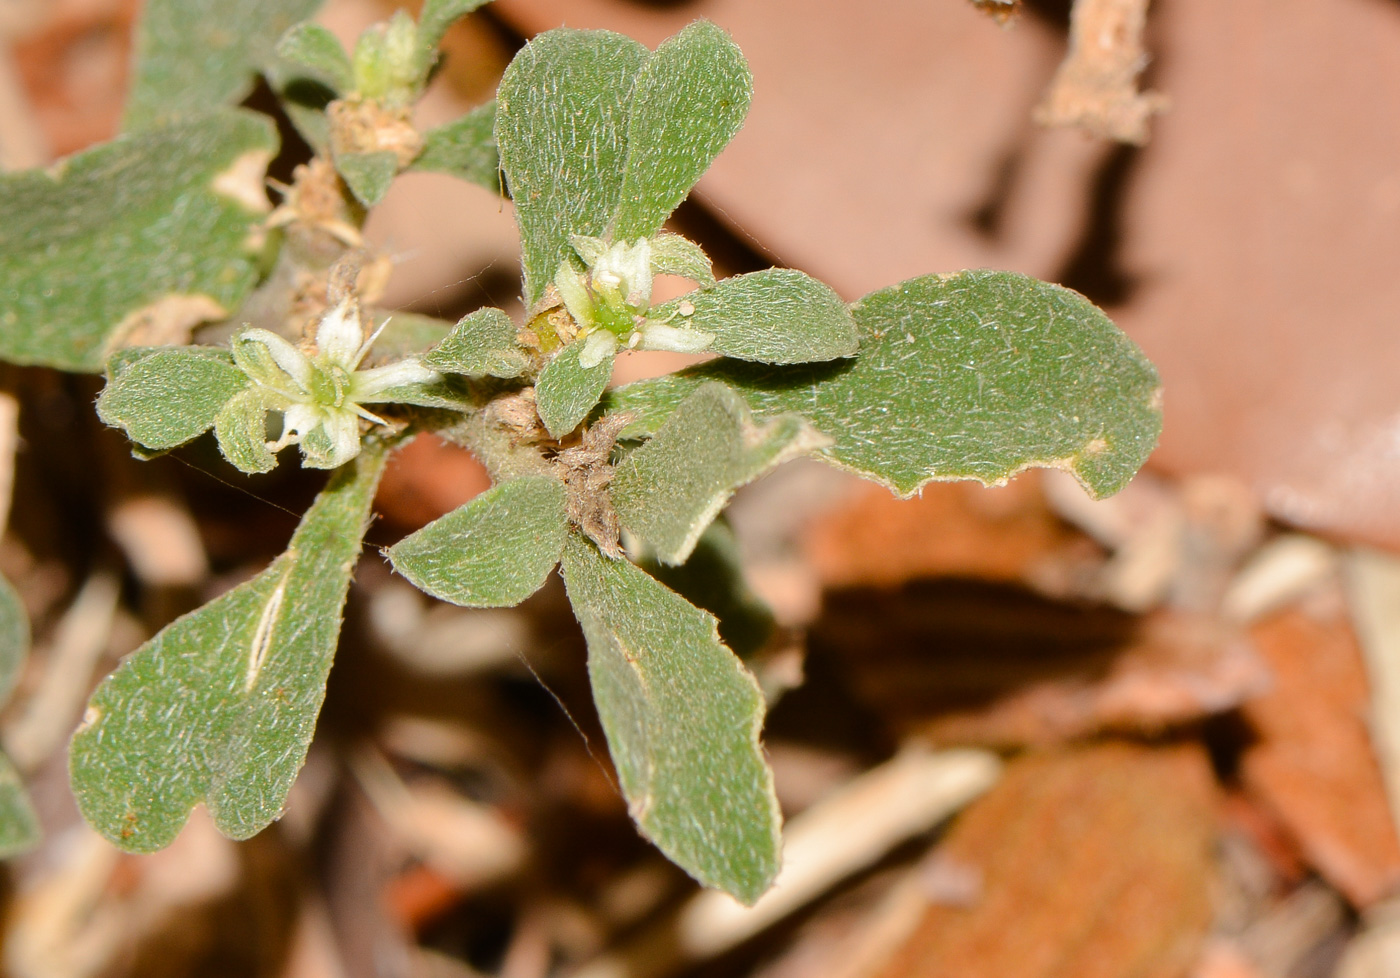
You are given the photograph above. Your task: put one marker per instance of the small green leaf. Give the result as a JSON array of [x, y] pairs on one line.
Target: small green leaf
[[561, 126], [566, 391], [241, 430], [220, 706], [672, 254], [682, 716], [691, 98], [449, 393], [976, 375], [368, 175], [437, 17], [19, 826], [712, 578], [493, 552], [669, 490], [482, 344], [171, 396], [14, 638], [192, 57], [778, 315], [405, 334], [465, 148], [133, 226], [317, 53]]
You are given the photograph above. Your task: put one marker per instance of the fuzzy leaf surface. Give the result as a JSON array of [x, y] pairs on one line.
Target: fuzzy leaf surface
[[561, 128], [240, 428], [493, 552], [669, 490], [437, 16], [14, 638], [171, 396], [672, 254], [465, 148], [482, 344], [315, 51], [406, 333], [976, 375], [712, 578], [682, 717], [220, 706], [19, 825], [368, 175], [122, 228], [691, 98], [191, 57], [778, 315], [566, 391]]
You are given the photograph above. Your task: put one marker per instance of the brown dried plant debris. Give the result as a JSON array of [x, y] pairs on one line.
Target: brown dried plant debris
[[1314, 763], [1094, 863], [587, 470], [1095, 87], [365, 126], [1004, 12]]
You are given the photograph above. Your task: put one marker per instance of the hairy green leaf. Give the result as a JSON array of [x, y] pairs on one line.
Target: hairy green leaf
[[406, 333], [191, 57], [493, 552], [220, 706], [561, 127], [482, 344], [14, 638], [672, 254], [976, 375], [19, 826], [368, 175], [669, 490], [241, 430], [712, 578], [682, 716], [172, 395], [778, 315], [437, 17], [566, 391], [316, 52], [465, 148], [691, 98], [152, 229]]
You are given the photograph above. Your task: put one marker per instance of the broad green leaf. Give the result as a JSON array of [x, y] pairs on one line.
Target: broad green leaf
[[778, 315], [14, 638], [493, 552], [566, 391], [368, 175], [976, 375], [19, 826], [151, 229], [669, 490], [672, 254], [317, 53], [241, 430], [561, 127], [482, 344], [712, 578], [192, 57], [220, 706], [406, 333], [691, 98], [171, 396], [437, 17], [465, 148], [682, 716]]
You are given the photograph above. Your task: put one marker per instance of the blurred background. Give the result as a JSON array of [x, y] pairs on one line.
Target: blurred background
[[1014, 731]]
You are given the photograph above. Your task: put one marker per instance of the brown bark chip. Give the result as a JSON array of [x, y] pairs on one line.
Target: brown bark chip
[[1095, 864], [1314, 762]]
